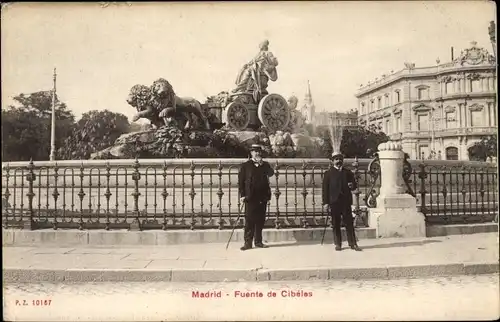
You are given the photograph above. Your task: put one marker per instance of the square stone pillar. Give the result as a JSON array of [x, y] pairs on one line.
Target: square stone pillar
[[396, 213]]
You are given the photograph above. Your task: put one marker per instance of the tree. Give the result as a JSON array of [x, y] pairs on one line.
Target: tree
[[95, 131], [356, 141], [26, 126], [484, 149]]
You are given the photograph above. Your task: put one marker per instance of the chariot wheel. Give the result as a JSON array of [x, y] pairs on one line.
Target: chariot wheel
[[237, 115], [274, 112]]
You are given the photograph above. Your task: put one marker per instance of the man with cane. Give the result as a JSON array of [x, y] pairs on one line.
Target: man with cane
[[338, 182], [255, 192]]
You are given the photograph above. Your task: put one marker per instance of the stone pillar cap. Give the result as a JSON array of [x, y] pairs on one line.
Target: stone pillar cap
[[390, 146]]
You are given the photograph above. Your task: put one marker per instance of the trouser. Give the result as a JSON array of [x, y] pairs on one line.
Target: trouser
[[340, 211], [255, 217]]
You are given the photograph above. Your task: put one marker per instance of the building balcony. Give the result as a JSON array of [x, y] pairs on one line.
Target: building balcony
[[395, 136], [467, 95], [442, 133]]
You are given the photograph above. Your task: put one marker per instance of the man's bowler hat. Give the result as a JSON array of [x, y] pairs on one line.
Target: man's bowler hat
[[256, 147], [336, 155]]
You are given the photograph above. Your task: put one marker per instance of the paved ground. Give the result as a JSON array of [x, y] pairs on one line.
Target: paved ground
[[444, 298], [384, 254]]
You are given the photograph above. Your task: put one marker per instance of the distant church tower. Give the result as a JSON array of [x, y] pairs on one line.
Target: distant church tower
[[308, 109]]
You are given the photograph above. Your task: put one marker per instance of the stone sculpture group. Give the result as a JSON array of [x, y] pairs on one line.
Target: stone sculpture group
[[246, 115]]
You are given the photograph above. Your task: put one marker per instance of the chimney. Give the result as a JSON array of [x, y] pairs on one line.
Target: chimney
[[452, 54]]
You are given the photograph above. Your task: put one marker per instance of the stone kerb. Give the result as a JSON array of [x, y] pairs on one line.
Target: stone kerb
[[396, 214]]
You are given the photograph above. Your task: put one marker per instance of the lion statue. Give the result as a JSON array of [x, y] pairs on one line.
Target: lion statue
[[159, 104], [140, 97], [171, 105]]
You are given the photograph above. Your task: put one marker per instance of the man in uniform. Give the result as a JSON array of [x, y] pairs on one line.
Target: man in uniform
[[255, 192], [338, 182]]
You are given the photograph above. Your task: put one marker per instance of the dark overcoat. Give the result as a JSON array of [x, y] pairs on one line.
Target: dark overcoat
[[335, 185], [248, 175]]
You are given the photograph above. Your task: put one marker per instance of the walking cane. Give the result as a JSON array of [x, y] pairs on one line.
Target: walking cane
[[234, 226], [324, 230]]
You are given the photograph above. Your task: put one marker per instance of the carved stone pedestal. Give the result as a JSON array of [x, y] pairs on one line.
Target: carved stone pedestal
[[397, 216], [396, 213]]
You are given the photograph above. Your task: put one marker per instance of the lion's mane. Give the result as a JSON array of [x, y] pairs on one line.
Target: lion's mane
[[167, 98], [141, 95]]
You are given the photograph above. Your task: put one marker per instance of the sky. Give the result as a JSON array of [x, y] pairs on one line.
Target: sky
[[101, 52]]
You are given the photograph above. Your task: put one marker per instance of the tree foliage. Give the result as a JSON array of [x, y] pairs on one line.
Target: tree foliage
[[26, 129], [96, 130], [26, 126], [484, 149]]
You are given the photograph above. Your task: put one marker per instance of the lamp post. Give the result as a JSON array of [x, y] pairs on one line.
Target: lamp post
[[433, 125], [53, 125]]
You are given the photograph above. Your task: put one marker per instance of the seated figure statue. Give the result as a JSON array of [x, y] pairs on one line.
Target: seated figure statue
[[254, 76]]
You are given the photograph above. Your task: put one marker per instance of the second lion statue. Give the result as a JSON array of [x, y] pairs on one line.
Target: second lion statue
[[160, 105]]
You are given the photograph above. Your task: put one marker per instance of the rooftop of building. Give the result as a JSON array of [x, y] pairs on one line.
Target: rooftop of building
[[471, 57]]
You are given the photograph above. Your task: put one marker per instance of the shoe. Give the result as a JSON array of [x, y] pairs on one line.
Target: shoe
[[356, 248], [338, 248], [245, 247], [260, 245]]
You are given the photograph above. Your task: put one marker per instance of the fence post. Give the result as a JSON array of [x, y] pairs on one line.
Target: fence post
[[5, 202], [277, 194], [28, 223], [422, 175], [304, 193], [55, 195], [358, 221], [136, 176], [192, 194], [396, 212]]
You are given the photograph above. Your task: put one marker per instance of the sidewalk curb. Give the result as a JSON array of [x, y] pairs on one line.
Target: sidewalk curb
[[72, 238], [13, 275]]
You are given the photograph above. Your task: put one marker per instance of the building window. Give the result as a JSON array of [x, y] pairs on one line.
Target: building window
[[476, 118], [388, 126], [386, 100], [423, 93], [449, 88], [451, 153], [451, 120], [475, 85], [379, 103], [372, 105], [398, 124], [423, 122], [397, 95]]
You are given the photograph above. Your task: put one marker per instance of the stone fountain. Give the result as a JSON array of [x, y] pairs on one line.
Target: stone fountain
[[225, 126]]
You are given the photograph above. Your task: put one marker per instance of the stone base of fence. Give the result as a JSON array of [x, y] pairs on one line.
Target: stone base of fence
[[72, 238], [397, 216]]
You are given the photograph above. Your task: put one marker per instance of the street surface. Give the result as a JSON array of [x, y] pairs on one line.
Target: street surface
[[443, 298]]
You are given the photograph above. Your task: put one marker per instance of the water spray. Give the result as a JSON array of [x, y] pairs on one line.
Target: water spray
[[336, 130]]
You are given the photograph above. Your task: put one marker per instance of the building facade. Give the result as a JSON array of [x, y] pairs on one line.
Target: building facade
[[438, 111], [311, 116], [344, 119]]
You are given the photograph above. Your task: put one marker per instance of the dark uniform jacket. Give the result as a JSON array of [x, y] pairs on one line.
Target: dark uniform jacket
[[253, 181], [335, 185]]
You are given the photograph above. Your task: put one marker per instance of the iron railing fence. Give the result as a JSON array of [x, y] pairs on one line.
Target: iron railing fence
[[451, 194], [201, 194], [166, 195]]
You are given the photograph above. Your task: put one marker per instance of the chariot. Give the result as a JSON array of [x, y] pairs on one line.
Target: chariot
[[242, 111]]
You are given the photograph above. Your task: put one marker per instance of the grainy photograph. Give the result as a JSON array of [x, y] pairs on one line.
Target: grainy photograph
[[249, 161]]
